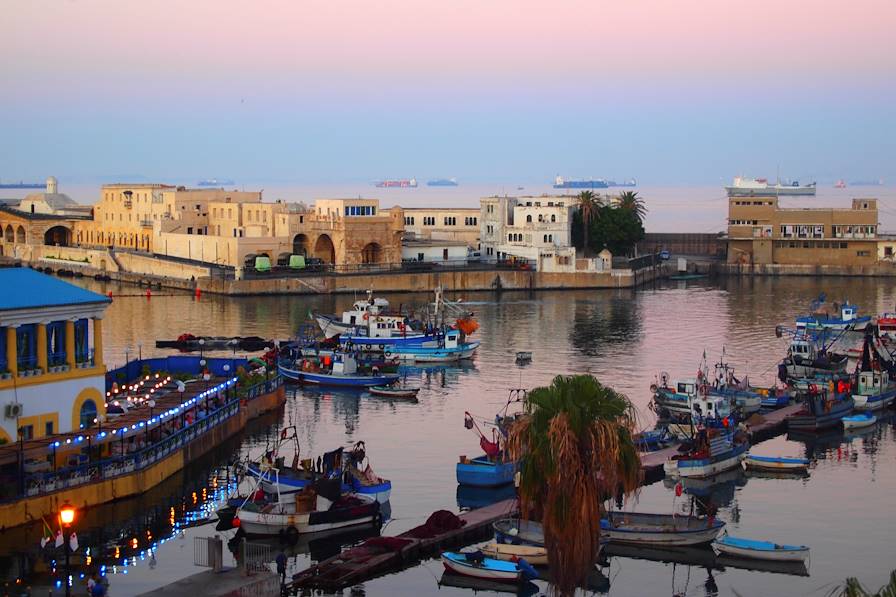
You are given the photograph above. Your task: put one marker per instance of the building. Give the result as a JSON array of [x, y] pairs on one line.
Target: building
[[446, 252], [52, 202], [459, 224], [52, 376], [760, 231], [536, 229]]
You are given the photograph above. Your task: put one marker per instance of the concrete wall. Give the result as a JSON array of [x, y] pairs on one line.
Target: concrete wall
[[150, 266]]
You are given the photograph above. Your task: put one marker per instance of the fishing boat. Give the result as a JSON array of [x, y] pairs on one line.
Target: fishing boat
[[858, 421], [760, 550], [726, 384], [535, 555], [394, 391], [806, 360], [776, 464], [823, 408], [886, 324], [874, 389], [716, 446], [842, 317], [672, 401], [475, 564], [659, 529], [341, 370], [514, 531], [309, 512], [373, 315], [774, 397], [450, 347], [653, 439], [484, 471]]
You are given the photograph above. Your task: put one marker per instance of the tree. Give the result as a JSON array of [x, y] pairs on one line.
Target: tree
[[575, 445], [629, 200], [589, 207], [616, 229], [853, 588]]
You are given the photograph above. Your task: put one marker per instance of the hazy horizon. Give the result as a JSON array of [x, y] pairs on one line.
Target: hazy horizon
[[326, 93]]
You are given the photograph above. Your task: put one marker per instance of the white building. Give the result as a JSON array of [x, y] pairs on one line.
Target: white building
[[51, 381], [447, 252], [533, 228]]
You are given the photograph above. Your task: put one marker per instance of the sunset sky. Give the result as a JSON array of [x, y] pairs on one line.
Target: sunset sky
[[672, 92]]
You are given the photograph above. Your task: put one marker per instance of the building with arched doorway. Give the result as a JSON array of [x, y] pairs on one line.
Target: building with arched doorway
[[52, 376]]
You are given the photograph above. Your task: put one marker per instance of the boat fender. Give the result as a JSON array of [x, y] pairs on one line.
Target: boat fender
[[382, 346], [366, 316], [653, 388], [529, 572], [387, 353]]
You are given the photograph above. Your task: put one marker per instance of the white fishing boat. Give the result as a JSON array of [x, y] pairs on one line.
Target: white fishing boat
[[372, 315], [479, 566], [760, 550], [776, 464], [659, 529], [537, 556], [859, 420], [875, 388]]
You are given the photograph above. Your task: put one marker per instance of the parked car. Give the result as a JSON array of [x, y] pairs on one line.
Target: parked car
[[665, 255]]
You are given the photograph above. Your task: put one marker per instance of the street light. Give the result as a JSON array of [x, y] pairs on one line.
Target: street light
[[227, 376], [67, 517], [140, 351], [201, 345]]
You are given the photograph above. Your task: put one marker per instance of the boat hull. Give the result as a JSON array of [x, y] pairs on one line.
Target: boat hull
[[858, 422], [537, 556], [346, 381], [479, 472], [272, 523], [874, 402], [768, 551], [805, 420], [490, 569], [433, 355], [772, 464], [288, 484], [706, 467], [659, 529]]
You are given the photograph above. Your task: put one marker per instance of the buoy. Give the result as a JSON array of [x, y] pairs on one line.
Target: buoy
[[110, 294], [235, 523], [148, 293], [198, 292]]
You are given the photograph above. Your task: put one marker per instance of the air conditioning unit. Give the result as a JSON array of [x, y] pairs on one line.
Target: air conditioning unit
[[13, 410]]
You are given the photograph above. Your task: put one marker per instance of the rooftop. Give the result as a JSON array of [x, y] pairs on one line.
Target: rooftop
[[25, 288]]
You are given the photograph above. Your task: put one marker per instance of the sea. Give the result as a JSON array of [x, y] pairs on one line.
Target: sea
[[626, 338]]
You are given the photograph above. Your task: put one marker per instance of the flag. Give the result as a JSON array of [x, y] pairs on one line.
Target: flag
[[73, 542], [47, 533], [59, 539]]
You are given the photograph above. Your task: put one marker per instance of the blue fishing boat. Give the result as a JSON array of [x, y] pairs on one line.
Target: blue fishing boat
[[475, 564], [761, 550], [717, 446], [875, 388], [823, 408], [858, 421], [450, 347], [341, 370], [484, 472], [653, 439], [842, 317], [776, 397]]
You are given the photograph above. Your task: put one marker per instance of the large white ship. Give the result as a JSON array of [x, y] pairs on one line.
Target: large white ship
[[747, 187]]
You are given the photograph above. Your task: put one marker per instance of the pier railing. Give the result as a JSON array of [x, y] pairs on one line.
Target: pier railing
[[40, 483]]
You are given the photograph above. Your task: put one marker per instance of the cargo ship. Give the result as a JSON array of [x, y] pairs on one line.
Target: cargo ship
[[403, 183], [747, 187], [631, 182], [597, 183], [22, 185], [214, 182], [442, 182]]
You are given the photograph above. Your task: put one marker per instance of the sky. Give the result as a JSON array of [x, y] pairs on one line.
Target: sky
[[671, 92]]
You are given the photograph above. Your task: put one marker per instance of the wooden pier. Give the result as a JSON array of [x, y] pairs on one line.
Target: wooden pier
[[384, 554]]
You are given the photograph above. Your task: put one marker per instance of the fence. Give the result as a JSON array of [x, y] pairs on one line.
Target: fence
[[254, 557], [174, 364], [208, 552]]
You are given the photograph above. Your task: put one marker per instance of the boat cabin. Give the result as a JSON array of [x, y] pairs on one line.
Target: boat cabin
[[344, 364], [872, 383], [709, 408], [849, 312], [370, 307], [802, 349], [687, 387], [453, 338]]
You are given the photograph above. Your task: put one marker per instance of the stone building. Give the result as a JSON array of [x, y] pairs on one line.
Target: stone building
[[760, 231]]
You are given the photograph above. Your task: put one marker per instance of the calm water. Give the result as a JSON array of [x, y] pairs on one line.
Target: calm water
[[671, 208], [625, 338]]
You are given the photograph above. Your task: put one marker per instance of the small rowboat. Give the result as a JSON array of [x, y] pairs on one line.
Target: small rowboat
[[859, 420], [537, 556], [479, 566], [776, 463], [659, 529], [760, 550], [513, 531], [394, 392]]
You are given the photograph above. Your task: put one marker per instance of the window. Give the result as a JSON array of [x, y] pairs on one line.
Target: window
[[449, 220], [510, 238], [529, 219], [545, 238], [553, 218], [48, 428], [862, 253], [429, 221], [189, 230], [27, 432], [409, 221], [471, 221], [888, 251]]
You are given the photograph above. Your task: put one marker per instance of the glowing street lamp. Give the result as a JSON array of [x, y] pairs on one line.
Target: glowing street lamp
[[67, 518]]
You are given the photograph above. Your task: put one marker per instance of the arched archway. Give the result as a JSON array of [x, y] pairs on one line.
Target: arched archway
[[20, 235], [300, 244], [88, 401], [8, 234], [324, 249], [58, 235], [371, 253]]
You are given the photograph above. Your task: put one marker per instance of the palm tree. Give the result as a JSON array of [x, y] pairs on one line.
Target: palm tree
[[630, 201], [853, 588], [589, 205], [575, 445]]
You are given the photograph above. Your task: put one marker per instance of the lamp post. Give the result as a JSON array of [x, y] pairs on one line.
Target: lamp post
[[67, 518], [152, 404], [201, 346], [140, 351], [227, 376]]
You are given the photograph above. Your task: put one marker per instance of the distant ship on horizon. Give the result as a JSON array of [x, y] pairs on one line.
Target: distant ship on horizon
[[747, 187], [442, 182], [631, 182], [867, 183], [21, 185], [840, 184], [214, 182], [403, 183], [562, 183]]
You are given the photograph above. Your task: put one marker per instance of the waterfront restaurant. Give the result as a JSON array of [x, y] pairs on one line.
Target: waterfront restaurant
[[52, 376]]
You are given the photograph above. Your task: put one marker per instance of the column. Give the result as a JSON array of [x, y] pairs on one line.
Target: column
[[12, 357], [97, 342], [70, 344], [42, 346]]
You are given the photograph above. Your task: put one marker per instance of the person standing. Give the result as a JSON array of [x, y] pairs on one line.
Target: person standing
[[281, 567]]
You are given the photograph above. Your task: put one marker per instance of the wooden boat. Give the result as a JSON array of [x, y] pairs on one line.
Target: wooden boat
[[452, 346], [482, 472], [776, 464], [479, 566], [521, 589], [659, 529], [537, 556], [859, 420], [760, 550], [341, 372], [394, 391], [291, 516], [653, 439], [822, 410], [875, 388], [513, 531]]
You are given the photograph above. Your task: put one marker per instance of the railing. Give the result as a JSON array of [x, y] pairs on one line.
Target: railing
[[329, 269], [39, 483], [255, 556]]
